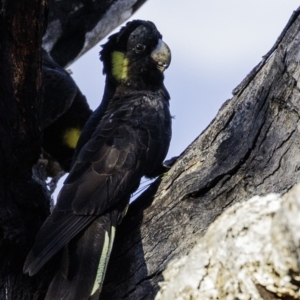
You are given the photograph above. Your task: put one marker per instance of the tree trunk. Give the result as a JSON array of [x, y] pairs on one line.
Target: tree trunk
[[250, 148], [23, 202]]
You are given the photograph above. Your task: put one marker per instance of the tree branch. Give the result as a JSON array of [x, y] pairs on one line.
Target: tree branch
[[75, 27]]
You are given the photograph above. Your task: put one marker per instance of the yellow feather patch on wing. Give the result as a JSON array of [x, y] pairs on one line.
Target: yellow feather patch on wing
[[71, 137], [119, 65]]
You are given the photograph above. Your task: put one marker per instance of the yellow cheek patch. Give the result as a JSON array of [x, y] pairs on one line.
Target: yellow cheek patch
[[119, 66], [71, 137]]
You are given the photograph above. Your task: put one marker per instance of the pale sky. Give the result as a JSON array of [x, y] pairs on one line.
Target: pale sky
[[214, 44]]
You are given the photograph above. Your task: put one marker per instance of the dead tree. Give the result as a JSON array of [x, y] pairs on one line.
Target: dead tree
[[250, 148]]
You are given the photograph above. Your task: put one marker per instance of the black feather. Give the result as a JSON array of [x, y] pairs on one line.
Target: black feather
[[80, 261], [64, 108]]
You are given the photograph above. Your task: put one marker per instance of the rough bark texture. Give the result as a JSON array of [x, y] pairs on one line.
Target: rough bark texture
[[250, 251], [250, 148], [23, 203]]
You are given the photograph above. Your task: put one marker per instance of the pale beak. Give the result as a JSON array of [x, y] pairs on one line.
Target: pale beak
[[161, 55]]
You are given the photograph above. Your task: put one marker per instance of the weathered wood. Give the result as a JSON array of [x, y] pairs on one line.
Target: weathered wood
[[74, 27], [250, 148], [250, 252], [23, 204]]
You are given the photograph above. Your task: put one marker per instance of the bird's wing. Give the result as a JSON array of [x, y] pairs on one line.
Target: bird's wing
[[56, 232], [84, 261], [109, 166]]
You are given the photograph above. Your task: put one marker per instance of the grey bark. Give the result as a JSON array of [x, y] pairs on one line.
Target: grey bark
[[251, 251], [250, 148]]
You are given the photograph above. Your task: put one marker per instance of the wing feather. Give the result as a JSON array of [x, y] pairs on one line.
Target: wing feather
[[52, 237]]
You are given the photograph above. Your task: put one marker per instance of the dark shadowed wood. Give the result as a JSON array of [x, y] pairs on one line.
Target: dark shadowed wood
[[74, 27], [23, 204], [251, 147]]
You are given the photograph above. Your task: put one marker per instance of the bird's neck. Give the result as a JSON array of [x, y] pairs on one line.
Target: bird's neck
[[133, 83], [113, 87]]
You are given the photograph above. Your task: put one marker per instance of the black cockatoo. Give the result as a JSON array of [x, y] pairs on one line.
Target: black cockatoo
[[126, 138], [64, 113]]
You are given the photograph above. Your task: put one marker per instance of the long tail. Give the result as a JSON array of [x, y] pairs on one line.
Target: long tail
[[84, 262]]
